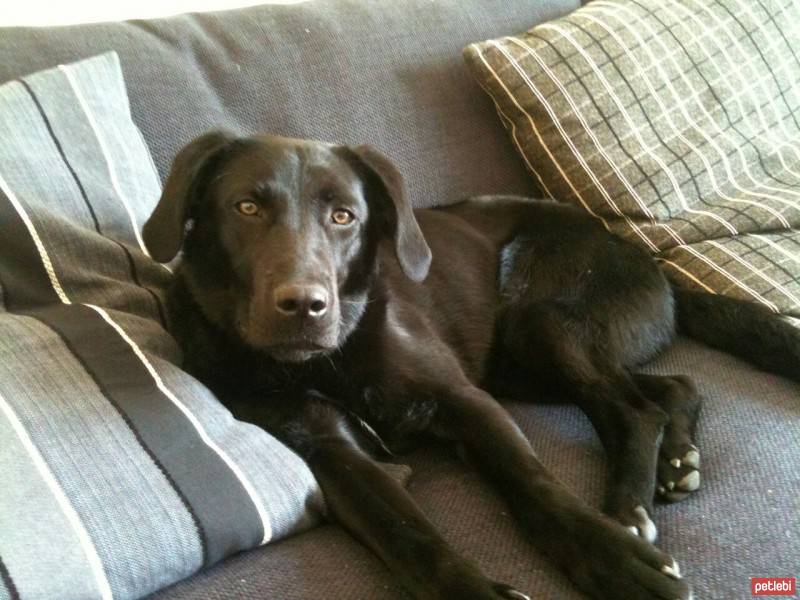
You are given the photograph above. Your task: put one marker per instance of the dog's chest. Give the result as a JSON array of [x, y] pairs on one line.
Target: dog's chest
[[395, 409], [393, 406], [396, 417]]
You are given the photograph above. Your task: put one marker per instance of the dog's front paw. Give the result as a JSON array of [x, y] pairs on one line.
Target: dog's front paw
[[609, 563]]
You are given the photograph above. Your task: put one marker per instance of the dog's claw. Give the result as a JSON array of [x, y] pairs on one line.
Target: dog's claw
[[508, 592], [647, 529], [692, 458], [672, 570], [676, 462], [691, 482]]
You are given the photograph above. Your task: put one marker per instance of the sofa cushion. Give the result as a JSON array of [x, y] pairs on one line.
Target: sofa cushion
[[352, 71], [744, 521], [119, 473], [676, 124]]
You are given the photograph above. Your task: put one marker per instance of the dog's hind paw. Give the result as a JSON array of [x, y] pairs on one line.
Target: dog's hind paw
[[678, 457], [678, 472]]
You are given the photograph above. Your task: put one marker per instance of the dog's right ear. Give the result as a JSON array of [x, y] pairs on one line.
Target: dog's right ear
[[163, 231]]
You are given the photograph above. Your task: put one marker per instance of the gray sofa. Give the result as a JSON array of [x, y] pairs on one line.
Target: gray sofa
[[391, 74]]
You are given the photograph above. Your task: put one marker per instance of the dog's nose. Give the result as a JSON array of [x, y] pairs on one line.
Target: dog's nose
[[301, 300]]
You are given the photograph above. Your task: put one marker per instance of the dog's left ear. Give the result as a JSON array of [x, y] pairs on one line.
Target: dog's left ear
[[412, 250]]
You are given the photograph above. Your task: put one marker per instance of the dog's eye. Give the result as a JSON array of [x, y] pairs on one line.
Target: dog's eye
[[342, 216], [247, 208]]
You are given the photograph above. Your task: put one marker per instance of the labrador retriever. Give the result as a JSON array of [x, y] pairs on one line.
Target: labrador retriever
[[317, 304]]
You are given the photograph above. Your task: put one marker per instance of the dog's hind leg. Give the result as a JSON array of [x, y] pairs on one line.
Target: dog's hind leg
[[679, 458], [550, 344]]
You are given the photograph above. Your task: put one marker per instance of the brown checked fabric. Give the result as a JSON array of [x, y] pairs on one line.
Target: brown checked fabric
[[676, 123]]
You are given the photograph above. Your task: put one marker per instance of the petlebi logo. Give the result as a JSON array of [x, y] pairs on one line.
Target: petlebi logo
[[773, 586]]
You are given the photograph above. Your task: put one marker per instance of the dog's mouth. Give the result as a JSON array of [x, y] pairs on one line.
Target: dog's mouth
[[287, 342], [298, 351]]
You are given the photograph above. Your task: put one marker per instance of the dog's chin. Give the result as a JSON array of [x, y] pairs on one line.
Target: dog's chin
[[288, 343]]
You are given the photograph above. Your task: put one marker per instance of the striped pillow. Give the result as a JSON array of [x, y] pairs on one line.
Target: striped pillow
[[119, 473], [676, 123]]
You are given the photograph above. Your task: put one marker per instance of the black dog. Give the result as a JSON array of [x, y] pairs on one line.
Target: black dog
[[307, 299]]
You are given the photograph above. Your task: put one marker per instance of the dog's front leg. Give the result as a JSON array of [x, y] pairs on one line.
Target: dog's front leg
[[377, 510], [600, 556]]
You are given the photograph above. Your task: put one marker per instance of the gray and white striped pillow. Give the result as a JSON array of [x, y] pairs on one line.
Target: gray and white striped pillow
[[676, 123], [119, 473]]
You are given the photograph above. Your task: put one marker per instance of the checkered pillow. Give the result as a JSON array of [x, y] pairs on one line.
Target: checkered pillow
[[676, 123]]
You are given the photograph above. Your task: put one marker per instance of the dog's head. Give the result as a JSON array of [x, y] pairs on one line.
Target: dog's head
[[280, 236]]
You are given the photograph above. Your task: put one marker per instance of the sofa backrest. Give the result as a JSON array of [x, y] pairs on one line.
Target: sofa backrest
[[385, 72]]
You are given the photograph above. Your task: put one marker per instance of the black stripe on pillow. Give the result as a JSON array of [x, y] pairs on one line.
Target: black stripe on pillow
[[7, 582]]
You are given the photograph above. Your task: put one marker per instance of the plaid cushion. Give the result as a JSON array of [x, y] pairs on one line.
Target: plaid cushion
[[119, 473], [675, 123]]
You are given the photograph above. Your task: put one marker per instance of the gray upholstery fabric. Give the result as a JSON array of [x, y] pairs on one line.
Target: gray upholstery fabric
[[352, 71], [745, 520]]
